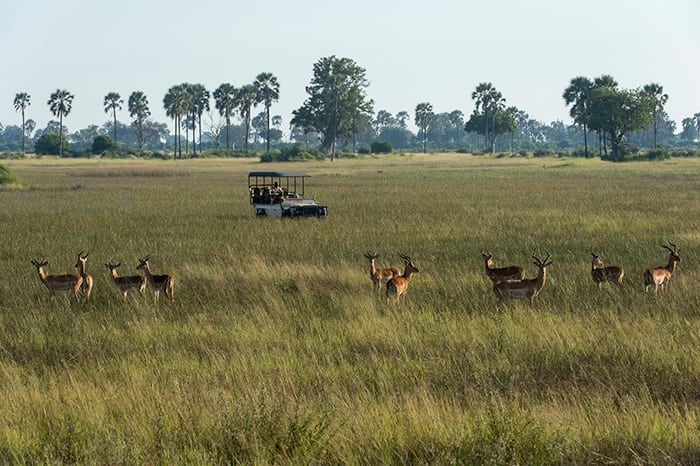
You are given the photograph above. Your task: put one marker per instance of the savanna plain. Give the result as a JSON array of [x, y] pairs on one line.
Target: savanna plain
[[276, 350]]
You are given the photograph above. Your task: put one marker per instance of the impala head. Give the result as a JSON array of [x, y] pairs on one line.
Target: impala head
[[81, 259], [111, 266], [40, 264], [542, 264], [596, 260], [408, 263], [487, 257], [675, 252], [371, 257], [143, 263]]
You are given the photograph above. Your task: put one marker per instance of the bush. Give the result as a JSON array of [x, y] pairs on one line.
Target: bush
[[49, 144], [293, 153], [7, 176], [381, 147], [104, 143], [658, 154]]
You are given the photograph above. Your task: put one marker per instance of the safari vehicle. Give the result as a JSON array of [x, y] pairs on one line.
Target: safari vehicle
[[281, 194]]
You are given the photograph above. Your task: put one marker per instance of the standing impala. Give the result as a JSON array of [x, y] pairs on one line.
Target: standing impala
[[660, 276], [86, 287], [128, 283], [601, 274], [58, 282], [500, 274], [164, 283], [398, 285], [380, 275], [527, 288]]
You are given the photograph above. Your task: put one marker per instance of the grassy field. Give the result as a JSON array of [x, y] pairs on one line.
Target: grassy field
[[277, 351]]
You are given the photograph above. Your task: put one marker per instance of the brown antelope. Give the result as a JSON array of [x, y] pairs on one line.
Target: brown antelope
[[128, 283], [601, 274], [526, 288], [500, 274], [58, 282], [398, 285], [159, 283], [380, 275], [86, 287], [660, 276]]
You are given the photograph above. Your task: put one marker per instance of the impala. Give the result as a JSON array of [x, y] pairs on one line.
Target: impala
[[380, 275], [500, 274], [86, 287], [164, 283], [526, 288], [660, 276], [398, 285], [601, 274], [58, 282], [129, 283]]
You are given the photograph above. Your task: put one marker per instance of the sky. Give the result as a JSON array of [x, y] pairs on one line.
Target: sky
[[413, 51]]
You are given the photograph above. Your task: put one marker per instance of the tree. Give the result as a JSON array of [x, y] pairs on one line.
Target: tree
[[176, 103], [21, 102], [60, 103], [225, 98], [336, 98], [268, 91], [113, 102], [245, 100], [490, 101], [199, 103], [659, 99], [577, 95], [424, 115], [50, 143], [616, 113], [402, 119], [138, 109]]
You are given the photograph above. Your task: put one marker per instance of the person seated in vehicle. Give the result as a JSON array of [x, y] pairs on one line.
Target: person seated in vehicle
[[277, 193]]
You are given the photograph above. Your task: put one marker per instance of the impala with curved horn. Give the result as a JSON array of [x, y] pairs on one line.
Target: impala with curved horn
[[660, 276], [127, 283], [501, 274], [398, 285], [88, 282], [527, 288], [164, 283], [600, 273], [379, 275], [58, 282]]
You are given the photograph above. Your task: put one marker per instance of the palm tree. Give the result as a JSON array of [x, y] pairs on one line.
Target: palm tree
[[113, 102], [21, 103], [268, 91], [246, 98], [60, 104], [199, 102], [225, 98], [656, 93], [577, 93], [138, 107], [424, 114], [487, 98], [176, 103]]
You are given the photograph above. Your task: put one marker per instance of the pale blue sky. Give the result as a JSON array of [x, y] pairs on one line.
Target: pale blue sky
[[414, 51]]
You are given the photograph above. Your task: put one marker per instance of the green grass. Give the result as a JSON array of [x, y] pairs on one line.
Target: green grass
[[276, 350]]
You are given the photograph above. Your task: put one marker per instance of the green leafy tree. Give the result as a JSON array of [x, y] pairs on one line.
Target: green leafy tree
[[577, 95], [424, 115], [51, 144], [138, 109], [113, 102], [225, 101], [657, 96], [60, 103], [617, 112], [21, 102], [268, 92], [490, 101], [176, 104], [104, 143], [336, 98], [245, 100]]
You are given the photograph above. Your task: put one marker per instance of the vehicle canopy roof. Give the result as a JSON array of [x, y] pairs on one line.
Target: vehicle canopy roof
[[277, 174], [287, 180]]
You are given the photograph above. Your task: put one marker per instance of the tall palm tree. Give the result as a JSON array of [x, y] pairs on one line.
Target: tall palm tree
[[424, 114], [268, 91], [176, 103], [225, 98], [656, 92], [113, 102], [199, 102], [578, 93], [60, 103], [22, 101], [245, 101], [483, 97], [138, 108]]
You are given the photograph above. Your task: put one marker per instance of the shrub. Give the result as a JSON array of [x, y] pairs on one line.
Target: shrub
[[381, 147], [49, 144], [658, 154], [295, 152], [104, 143], [7, 176]]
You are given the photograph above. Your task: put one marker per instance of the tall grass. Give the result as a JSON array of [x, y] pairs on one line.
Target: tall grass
[[277, 351]]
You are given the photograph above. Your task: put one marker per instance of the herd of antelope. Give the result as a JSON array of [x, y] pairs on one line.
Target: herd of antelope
[[81, 283], [510, 281]]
